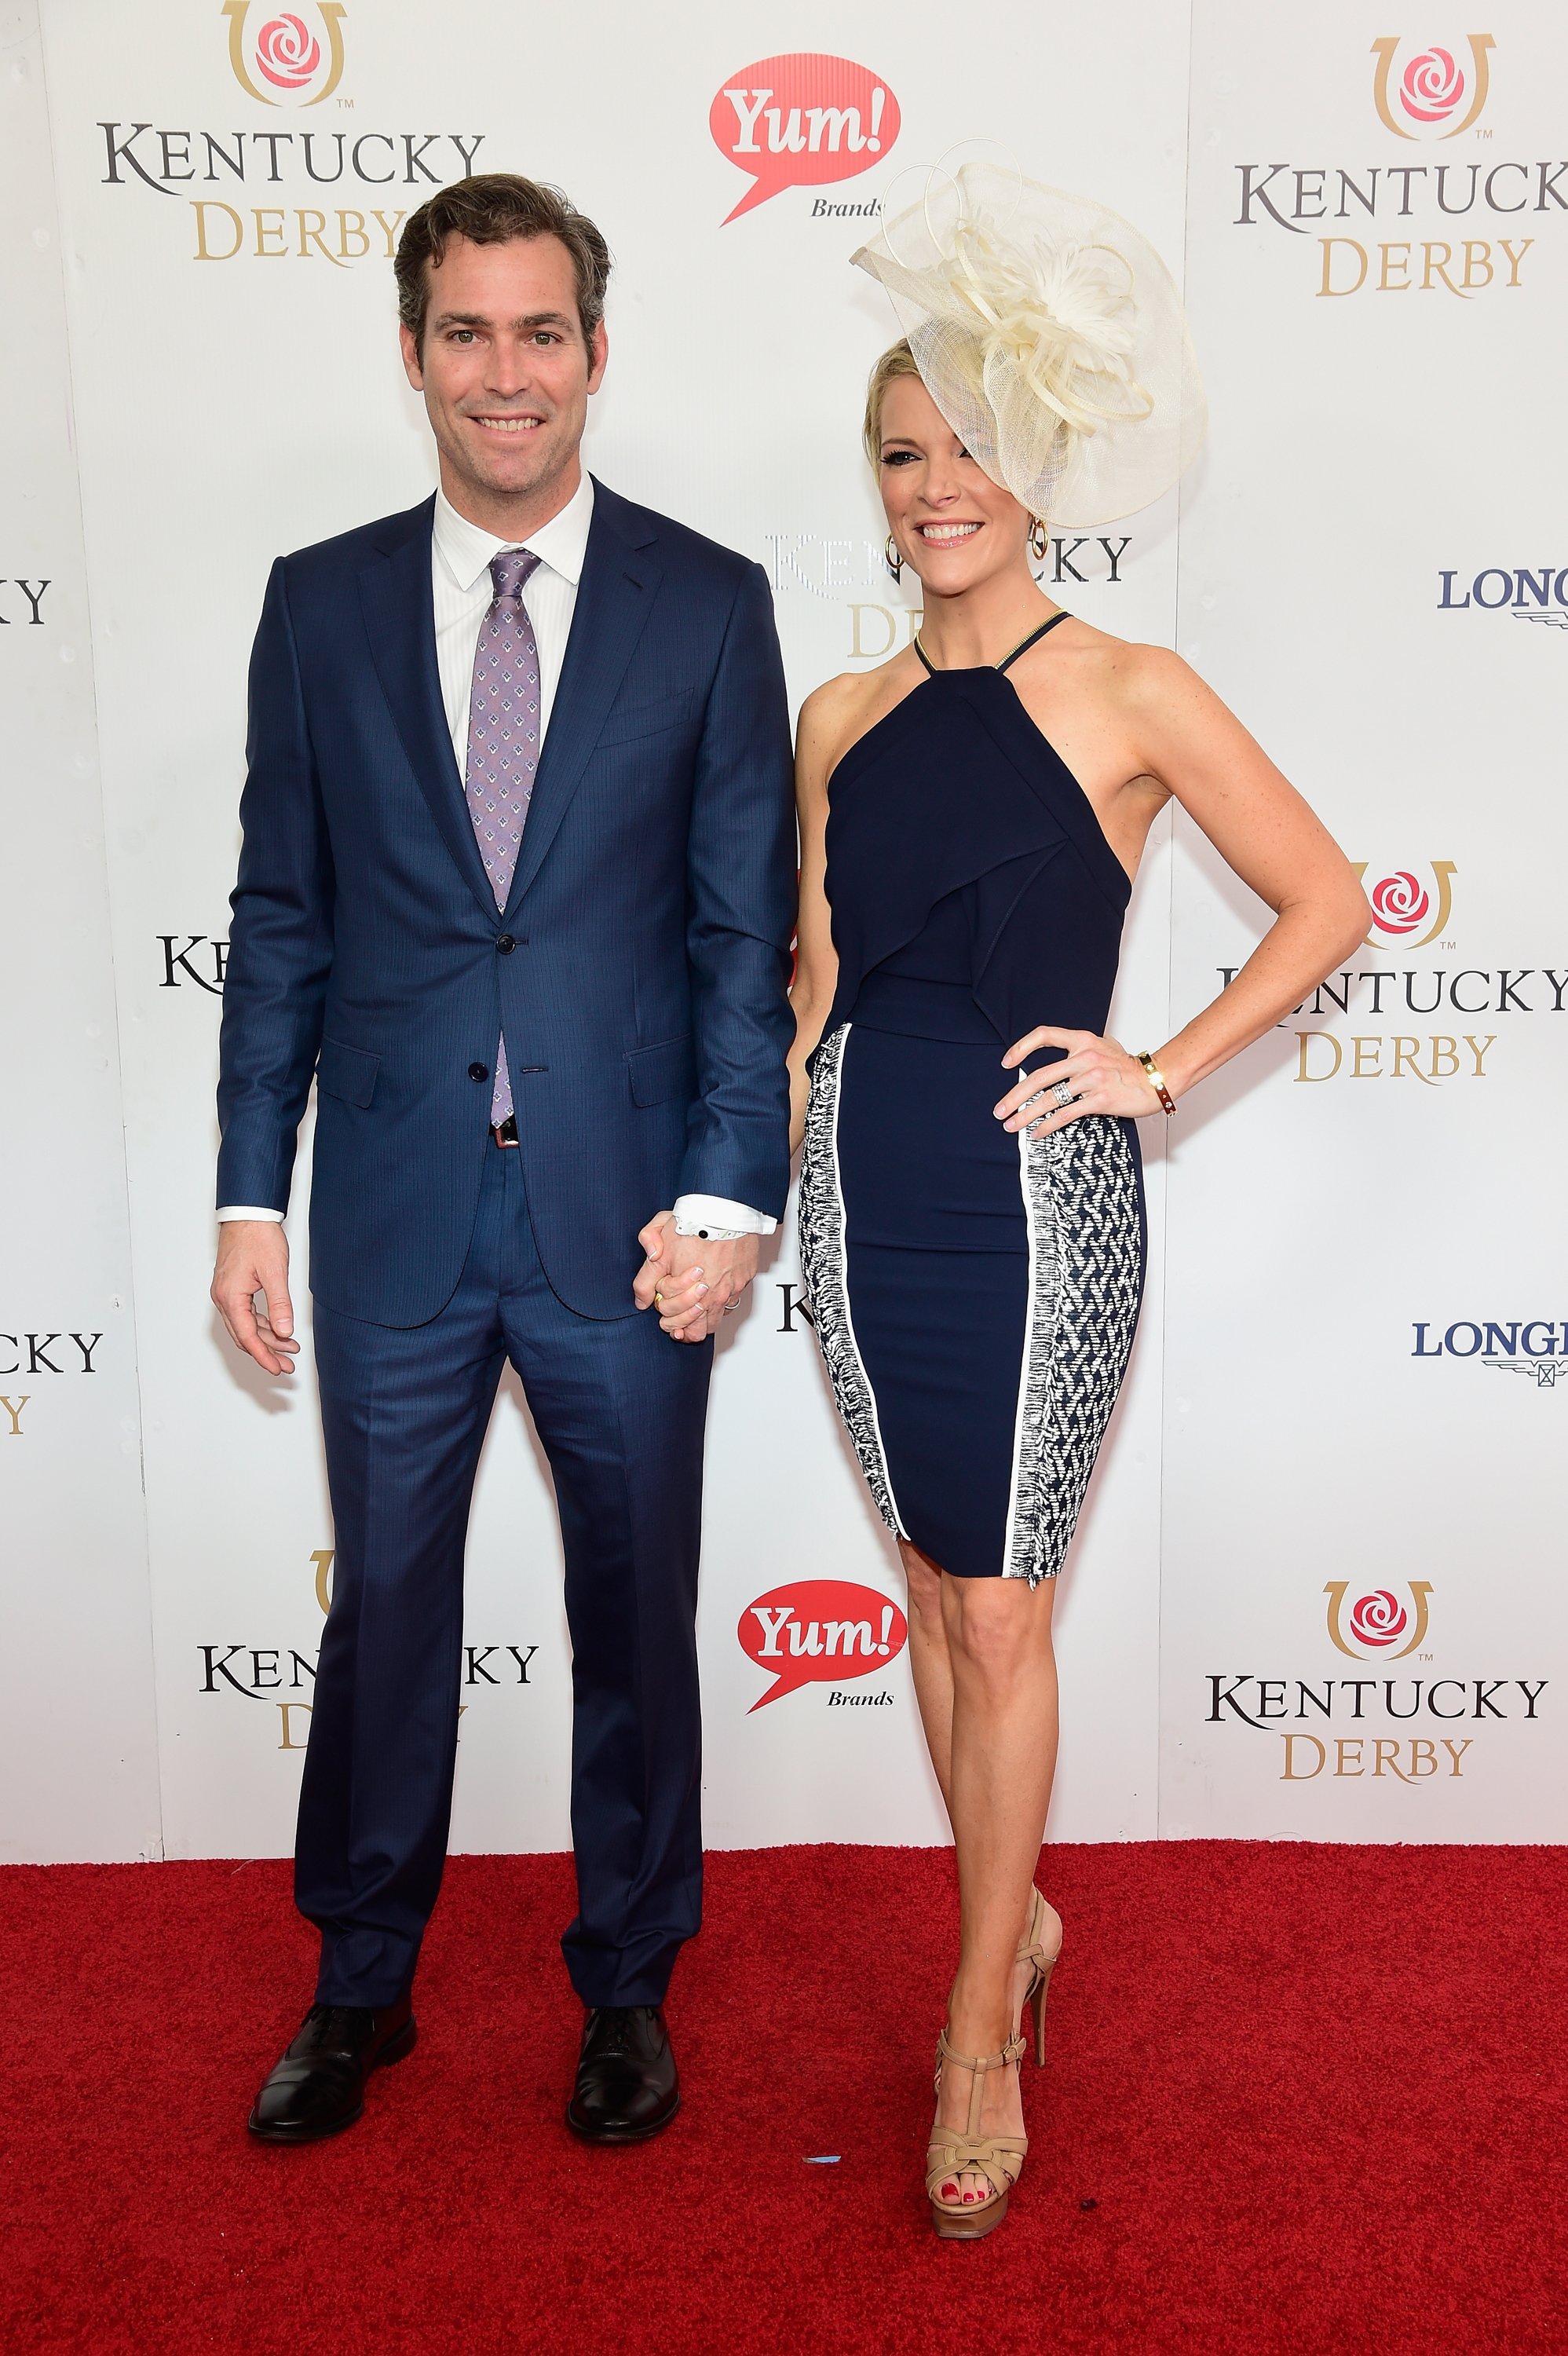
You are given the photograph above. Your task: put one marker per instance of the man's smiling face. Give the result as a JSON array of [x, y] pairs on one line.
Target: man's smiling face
[[506, 376]]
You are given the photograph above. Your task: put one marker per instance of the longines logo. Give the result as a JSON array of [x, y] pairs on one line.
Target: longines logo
[[284, 62], [1536, 1347], [1433, 97], [1374, 1626], [284, 1676], [1526, 593], [1418, 93], [799, 121]]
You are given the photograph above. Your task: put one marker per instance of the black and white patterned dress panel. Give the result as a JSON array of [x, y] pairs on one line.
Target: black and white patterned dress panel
[[825, 1278], [1081, 1193]]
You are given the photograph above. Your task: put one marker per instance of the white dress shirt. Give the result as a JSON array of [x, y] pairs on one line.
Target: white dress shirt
[[462, 591]]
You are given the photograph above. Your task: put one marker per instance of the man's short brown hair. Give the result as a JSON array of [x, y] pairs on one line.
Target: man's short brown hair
[[490, 208]]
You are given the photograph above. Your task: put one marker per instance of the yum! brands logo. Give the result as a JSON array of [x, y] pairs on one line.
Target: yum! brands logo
[[820, 1632], [286, 60], [1378, 1622], [798, 122], [1407, 912], [1430, 95]]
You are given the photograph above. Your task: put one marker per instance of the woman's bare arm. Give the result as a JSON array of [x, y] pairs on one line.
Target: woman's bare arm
[[826, 725], [1264, 830], [1183, 736]]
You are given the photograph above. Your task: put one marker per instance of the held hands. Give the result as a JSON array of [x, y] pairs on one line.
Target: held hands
[[692, 1282], [253, 1258], [1101, 1074]]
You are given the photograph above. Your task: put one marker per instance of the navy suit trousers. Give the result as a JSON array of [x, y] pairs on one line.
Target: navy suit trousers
[[620, 1410]]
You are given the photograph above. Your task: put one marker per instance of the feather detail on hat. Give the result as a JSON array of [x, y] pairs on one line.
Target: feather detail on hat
[[1049, 335]]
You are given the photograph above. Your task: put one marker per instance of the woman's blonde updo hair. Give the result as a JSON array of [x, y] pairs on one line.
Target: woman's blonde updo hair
[[899, 360]]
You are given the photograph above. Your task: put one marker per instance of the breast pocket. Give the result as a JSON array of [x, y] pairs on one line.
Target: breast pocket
[[628, 726], [347, 1072]]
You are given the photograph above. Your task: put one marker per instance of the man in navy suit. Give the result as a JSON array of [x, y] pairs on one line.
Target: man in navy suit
[[516, 886]]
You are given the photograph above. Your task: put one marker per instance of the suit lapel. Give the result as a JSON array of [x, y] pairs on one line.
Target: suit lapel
[[614, 599], [399, 614]]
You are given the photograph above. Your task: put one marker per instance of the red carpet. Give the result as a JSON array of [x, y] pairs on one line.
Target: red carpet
[[1298, 2098]]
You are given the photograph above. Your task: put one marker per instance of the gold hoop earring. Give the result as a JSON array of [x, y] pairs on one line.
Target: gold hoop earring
[[892, 557], [1039, 537]]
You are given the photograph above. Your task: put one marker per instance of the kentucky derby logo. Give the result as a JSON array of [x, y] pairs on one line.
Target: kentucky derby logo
[[1376, 1623], [796, 121], [1433, 96], [285, 60], [818, 1631], [1405, 912]]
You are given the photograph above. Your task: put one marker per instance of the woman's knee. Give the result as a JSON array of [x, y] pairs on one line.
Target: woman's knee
[[926, 1584], [997, 1628]]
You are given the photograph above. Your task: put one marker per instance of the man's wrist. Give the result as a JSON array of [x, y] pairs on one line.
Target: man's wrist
[[717, 1219]]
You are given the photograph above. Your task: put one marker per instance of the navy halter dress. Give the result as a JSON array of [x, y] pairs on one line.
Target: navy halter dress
[[975, 1290]]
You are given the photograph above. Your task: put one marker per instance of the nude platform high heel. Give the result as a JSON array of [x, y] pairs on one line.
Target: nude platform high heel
[[998, 2158], [1039, 1947]]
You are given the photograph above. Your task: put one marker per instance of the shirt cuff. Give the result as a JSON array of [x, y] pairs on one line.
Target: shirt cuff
[[716, 1212], [246, 1211]]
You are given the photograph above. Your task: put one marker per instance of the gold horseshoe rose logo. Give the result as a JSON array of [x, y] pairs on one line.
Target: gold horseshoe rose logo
[[287, 52], [1432, 85], [1377, 1619], [1399, 903]]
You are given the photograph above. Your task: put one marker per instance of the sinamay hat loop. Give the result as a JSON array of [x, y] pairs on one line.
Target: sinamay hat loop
[[1048, 333]]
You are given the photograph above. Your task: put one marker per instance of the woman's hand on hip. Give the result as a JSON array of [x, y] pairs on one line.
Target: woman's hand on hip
[[1099, 1074]]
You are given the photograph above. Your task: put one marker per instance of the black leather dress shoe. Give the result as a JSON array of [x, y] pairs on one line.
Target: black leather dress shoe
[[628, 2085], [318, 2087]]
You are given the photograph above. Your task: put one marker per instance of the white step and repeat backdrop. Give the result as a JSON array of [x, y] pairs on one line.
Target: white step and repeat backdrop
[[1319, 1590]]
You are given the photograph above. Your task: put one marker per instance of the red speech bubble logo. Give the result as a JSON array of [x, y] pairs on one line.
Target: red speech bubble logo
[[796, 121], [819, 1632]]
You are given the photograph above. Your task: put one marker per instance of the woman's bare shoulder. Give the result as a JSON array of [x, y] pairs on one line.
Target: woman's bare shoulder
[[834, 714], [853, 693], [1127, 670]]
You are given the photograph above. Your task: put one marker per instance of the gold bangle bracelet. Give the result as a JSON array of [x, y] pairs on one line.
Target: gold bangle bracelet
[[1157, 1082]]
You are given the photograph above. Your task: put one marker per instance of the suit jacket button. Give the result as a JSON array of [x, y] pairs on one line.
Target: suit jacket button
[[478, 1071], [505, 944]]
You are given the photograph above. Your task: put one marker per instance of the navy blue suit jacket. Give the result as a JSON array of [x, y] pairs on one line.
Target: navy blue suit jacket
[[644, 1002]]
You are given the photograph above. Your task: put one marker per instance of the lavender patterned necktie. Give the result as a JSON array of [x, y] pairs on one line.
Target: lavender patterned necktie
[[504, 746]]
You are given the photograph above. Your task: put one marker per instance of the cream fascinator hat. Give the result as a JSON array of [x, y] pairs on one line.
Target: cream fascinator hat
[[1050, 336]]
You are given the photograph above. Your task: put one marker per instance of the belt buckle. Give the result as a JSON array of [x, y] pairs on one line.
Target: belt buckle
[[507, 1133]]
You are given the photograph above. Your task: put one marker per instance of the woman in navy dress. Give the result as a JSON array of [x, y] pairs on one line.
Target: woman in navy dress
[[972, 814]]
